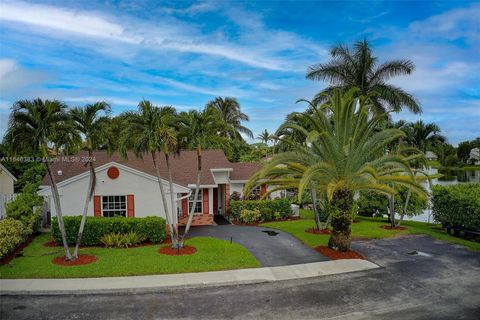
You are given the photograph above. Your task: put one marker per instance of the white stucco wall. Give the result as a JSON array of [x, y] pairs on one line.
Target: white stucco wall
[[148, 200], [6, 183]]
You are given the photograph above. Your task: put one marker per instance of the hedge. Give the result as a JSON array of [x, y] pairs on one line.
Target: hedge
[[457, 205], [151, 228], [12, 234], [282, 206]]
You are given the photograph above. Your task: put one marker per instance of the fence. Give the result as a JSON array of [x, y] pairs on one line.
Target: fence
[[4, 199]]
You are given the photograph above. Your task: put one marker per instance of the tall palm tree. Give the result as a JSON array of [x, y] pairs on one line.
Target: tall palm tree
[[423, 135], [151, 130], [232, 116], [343, 153], [43, 127], [358, 67], [197, 129], [92, 126], [264, 137]]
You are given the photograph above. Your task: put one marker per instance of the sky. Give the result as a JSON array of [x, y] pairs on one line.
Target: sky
[[184, 54]]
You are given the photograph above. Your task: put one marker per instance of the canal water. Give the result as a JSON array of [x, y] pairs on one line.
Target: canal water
[[449, 177]]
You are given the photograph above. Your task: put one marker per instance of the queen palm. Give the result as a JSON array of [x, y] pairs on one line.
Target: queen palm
[[92, 127], [43, 127], [358, 68], [149, 131], [343, 153], [197, 129], [232, 117]]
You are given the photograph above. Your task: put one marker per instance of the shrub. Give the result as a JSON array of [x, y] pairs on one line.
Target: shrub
[[281, 206], [457, 205], [150, 228], [235, 196], [122, 240], [370, 203], [26, 208], [250, 216], [12, 234]]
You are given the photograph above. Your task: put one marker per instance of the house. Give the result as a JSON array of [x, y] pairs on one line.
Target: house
[[474, 156], [431, 156], [7, 180], [130, 188]]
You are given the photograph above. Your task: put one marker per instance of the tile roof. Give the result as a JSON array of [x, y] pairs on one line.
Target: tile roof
[[184, 166]]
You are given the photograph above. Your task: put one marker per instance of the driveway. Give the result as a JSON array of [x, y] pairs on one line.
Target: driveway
[[445, 285], [270, 250]]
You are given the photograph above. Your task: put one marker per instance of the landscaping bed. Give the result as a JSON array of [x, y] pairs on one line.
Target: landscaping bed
[[212, 254]]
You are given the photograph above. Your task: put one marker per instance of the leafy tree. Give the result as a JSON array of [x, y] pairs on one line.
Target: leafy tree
[[148, 131], [358, 67], [423, 136], [43, 127], [229, 110], [93, 128], [342, 154]]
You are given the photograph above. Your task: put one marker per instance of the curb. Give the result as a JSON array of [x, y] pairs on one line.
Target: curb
[[141, 284]]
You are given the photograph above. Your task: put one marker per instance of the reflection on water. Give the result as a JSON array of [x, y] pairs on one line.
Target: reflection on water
[[449, 177]]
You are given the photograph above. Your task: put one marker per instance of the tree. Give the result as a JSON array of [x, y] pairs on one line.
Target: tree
[[344, 153], [93, 128], [150, 130], [229, 110], [43, 127], [423, 136], [196, 130], [357, 67], [264, 137]]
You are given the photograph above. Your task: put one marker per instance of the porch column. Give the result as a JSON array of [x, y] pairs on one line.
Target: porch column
[[227, 197]]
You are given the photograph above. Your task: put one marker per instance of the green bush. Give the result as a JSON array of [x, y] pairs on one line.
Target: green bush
[[457, 205], [268, 207], [122, 240], [12, 234], [26, 208], [250, 216], [150, 228], [370, 203]]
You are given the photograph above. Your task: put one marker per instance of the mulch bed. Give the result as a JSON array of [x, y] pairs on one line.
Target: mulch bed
[[317, 231], [238, 223], [177, 252], [82, 259], [337, 255], [395, 228], [18, 251], [50, 244]]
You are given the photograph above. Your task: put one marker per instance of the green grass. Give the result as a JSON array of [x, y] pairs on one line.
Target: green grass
[[212, 254], [365, 228]]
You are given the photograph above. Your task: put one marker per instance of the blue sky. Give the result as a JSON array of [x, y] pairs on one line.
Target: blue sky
[[184, 53]]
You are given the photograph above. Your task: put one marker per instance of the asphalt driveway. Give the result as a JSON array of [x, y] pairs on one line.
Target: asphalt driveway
[[270, 250]]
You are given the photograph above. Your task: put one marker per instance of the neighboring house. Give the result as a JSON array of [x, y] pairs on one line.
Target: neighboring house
[[7, 180], [431, 156], [474, 156], [130, 188]]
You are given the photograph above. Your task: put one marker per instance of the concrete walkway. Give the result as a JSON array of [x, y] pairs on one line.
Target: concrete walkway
[[186, 280], [277, 250]]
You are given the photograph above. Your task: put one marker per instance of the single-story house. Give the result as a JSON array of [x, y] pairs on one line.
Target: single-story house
[[130, 188], [430, 155], [7, 180]]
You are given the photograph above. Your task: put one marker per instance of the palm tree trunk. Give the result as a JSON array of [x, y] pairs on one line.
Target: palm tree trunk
[[342, 204], [405, 206], [197, 189], [173, 236], [391, 209], [313, 193], [58, 211], [91, 189], [177, 244]]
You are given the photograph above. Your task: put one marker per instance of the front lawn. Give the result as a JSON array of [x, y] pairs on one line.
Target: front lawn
[[212, 254], [365, 228]]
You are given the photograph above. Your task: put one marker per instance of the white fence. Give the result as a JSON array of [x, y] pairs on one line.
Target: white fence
[[4, 199]]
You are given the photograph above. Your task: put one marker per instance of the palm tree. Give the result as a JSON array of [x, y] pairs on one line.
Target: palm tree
[[343, 153], [93, 128], [43, 127], [150, 130], [423, 135], [358, 67], [232, 117], [264, 137], [197, 129]]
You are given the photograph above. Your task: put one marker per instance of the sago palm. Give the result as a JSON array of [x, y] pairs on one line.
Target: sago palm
[[93, 128], [43, 127], [359, 68], [229, 111], [151, 130], [343, 153]]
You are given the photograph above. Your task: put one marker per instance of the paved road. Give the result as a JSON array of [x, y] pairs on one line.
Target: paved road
[[445, 285], [277, 250]]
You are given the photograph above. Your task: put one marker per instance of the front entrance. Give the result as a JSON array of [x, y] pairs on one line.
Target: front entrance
[[219, 200]]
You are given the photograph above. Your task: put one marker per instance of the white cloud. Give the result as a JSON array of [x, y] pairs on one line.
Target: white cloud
[[14, 78]]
